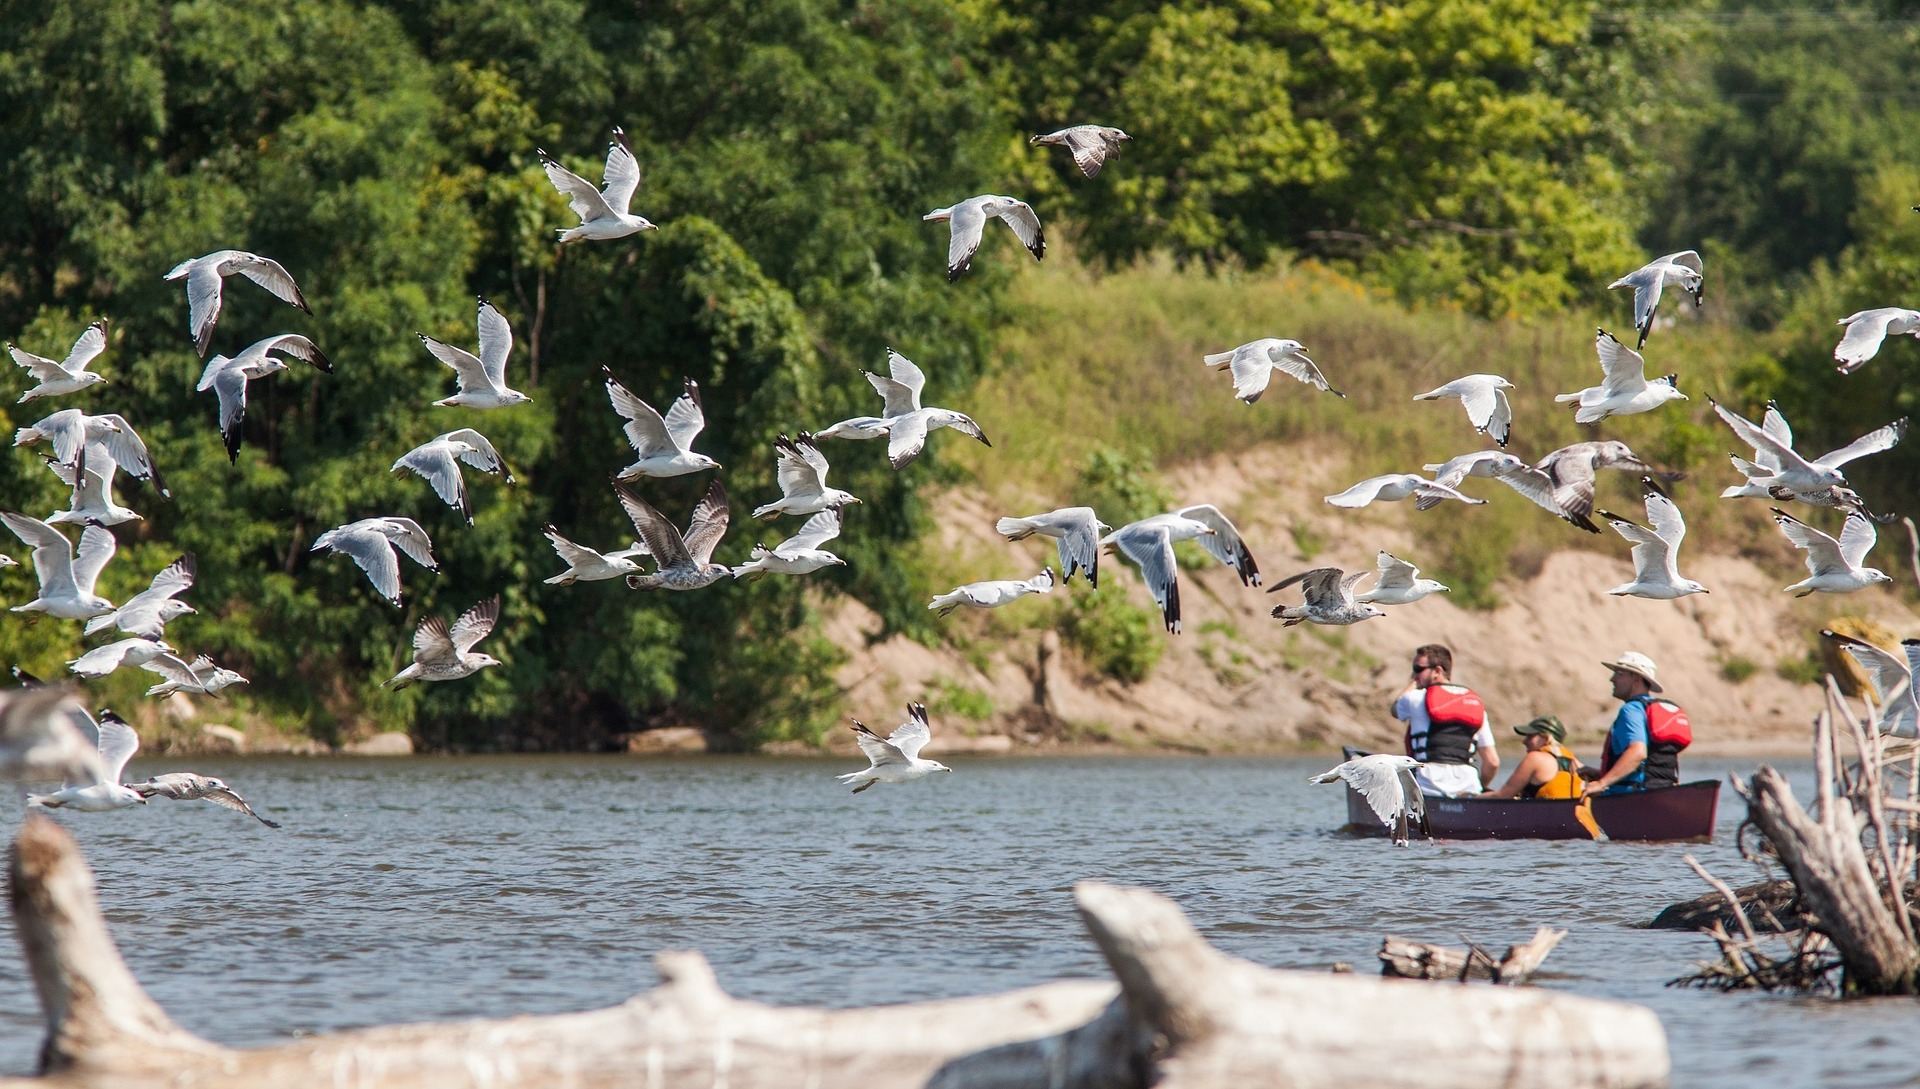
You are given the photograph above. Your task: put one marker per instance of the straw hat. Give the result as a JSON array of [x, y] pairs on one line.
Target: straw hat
[[1635, 662]]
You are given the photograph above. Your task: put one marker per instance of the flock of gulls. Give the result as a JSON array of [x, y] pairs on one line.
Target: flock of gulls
[[87, 451]]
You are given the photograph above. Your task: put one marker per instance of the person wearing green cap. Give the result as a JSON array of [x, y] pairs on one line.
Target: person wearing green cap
[[1548, 770]]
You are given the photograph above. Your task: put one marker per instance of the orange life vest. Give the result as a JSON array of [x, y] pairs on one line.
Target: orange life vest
[[1564, 784]]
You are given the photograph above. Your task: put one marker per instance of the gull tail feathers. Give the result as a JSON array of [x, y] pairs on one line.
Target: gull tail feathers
[[1218, 361], [1015, 529]]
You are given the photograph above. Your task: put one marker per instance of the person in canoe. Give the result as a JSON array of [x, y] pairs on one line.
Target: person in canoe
[[1446, 728], [1643, 747], [1548, 770]]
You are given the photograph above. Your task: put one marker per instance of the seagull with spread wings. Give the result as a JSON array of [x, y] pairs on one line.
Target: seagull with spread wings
[[199, 677], [1833, 567], [66, 575], [683, 562], [992, 594], [1682, 270], [91, 502], [147, 613], [187, 786], [1329, 599], [799, 554], [664, 444], [1624, 389], [1090, 145], [136, 651], [1778, 471], [1485, 398], [1393, 487], [372, 541], [70, 431], [441, 653], [1399, 584], [586, 565], [1076, 531], [1867, 330], [1149, 542], [1253, 363], [206, 276], [603, 212], [1656, 570], [896, 758], [968, 219], [437, 462], [1489, 465], [802, 471], [1385, 780], [1892, 682], [1570, 474], [908, 424], [482, 379], [116, 743], [47, 735], [63, 376], [228, 378]]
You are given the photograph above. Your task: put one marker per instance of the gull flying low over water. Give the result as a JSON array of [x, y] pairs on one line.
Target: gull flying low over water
[[968, 219], [1570, 472], [894, 759], [1254, 362], [71, 431], [684, 562], [992, 595], [603, 212], [1682, 270], [802, 472], [1076, 530], [586, 565], [187, 786], [1399, 584], [1777, 471], [1867, 330], [438, 463], [1149, 543], [1385, 780], [91, 478], [117, 743], [1091, 145], [66, 575], [136, 651], [1833, 567], [1656, 570], [1394, 487], [664, 444], [70, 375], [147, 613], [1485, 398], [799, 554], [207, 275], [371, 543], [1624, 390], [46, 734], [1892, 682], [1329, 599], [441, 653], [199, 677], [483, 378], [228, 378], [905, 423]]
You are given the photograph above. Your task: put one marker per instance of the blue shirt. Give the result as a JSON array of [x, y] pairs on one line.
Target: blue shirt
[[1629, 727]]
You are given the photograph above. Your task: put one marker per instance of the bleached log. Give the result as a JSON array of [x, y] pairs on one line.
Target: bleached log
[[1407, 959]]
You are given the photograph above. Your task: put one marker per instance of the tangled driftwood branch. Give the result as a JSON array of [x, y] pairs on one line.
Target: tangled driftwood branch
[[1407, 959]]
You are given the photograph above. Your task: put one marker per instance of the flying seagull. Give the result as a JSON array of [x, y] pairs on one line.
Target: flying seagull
[[66, 576], [136, 651], [148, 612], [993, 594], [371, 543], [482, 379], [1149, 543], [1091, 145], [1624, 389], [903, 422], [1076, 530], [70, 375], [1490, 465], [1778, 471], [116, 742], [969, 218], [799, 554], [802, 471], [1867, 330], [1254, 362], [684, 562], [1485, 398], [228, 378], [1394, 487], [186, 786], [206, 275], [91, 478], [1329, 599], [438, 463], [586, 565], [603, 212], [1682, 270], [71, 430], [199, 677], [441, 653], [1892, 682], [894, 759], [1570, 473], [664, 444], [47, 735], [1399, 584], [1656, 572], [1385, 780], [1833, 567]]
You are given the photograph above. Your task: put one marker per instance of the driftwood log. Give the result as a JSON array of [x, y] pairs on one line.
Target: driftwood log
[[1407, 959], [1184, 1017]]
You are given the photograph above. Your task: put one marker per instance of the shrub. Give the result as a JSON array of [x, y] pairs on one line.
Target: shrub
[[1121, 486], [958, 699], [1737, 669], [1116, 637]]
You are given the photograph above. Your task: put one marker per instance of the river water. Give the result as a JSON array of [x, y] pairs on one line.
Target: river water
[[437, 888]]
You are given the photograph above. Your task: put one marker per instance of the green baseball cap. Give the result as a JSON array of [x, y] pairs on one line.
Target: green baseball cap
[[1544, 724]]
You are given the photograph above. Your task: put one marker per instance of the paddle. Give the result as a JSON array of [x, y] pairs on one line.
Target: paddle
[[1583, 812]]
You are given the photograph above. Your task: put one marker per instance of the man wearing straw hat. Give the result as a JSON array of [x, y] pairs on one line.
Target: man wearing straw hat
[[1643, 747]]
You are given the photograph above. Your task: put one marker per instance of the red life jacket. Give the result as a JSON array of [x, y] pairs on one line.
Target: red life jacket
[[1454, 715], [1668, 732]]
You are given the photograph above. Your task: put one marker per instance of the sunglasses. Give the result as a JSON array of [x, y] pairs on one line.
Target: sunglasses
[[1419, 669]]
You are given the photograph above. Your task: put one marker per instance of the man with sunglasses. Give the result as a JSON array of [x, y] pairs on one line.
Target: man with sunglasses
[[1446, 728]]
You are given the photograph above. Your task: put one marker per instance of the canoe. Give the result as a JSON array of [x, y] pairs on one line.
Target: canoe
[[1675, 814]]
